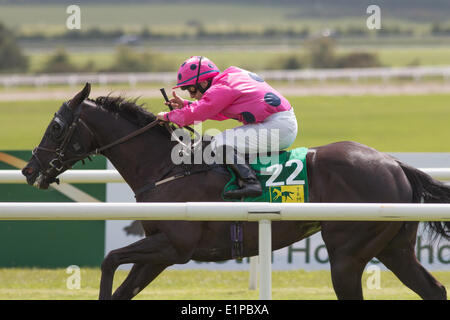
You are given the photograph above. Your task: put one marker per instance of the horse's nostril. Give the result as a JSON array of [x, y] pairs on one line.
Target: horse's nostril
[[27, 171]]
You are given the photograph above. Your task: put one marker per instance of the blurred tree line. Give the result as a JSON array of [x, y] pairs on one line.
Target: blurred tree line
[[126, 59], [320, 52], [438, 29], [11, 57], [195, 30]]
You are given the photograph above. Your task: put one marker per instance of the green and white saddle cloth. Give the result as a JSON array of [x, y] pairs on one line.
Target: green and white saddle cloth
[[283, 177]]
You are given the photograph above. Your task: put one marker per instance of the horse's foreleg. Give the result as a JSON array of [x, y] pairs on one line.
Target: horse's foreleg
[[155, 249]]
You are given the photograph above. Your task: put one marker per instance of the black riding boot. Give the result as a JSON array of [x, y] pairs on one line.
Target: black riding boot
[[250, 186]]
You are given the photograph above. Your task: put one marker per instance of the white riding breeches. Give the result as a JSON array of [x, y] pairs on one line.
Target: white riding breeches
[[277, 132]]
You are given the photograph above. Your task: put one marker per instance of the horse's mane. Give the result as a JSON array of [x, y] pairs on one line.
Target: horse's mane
[[127, 109]]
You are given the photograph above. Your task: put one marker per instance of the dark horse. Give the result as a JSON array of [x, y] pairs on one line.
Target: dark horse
[[339, 172]]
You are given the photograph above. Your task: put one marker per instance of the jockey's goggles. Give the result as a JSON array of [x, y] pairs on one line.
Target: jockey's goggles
[[191, 89]]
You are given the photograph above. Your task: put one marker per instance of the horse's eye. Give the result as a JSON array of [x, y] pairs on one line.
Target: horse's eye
[[56, 127], [57, 130]]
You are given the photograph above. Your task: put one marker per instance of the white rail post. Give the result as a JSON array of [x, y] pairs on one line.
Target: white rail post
[[265, 259], [253, 278], [264, 215]]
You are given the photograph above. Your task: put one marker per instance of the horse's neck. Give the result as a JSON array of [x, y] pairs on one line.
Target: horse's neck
[[138, 160]]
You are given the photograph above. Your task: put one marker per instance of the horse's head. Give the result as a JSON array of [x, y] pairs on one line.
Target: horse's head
[[62, 145]]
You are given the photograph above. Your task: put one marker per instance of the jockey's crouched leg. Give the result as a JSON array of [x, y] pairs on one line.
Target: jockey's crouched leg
[[248, 182]]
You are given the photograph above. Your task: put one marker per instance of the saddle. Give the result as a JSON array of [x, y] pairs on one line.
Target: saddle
[[283, 177]]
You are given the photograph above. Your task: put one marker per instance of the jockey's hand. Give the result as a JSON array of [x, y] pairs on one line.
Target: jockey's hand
[[176, 102], [161, 116]]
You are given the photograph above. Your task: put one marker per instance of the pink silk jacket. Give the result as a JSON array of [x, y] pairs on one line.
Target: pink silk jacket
[[234, 94]]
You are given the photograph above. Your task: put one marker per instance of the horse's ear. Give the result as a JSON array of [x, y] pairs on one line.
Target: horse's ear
[[81, 96]]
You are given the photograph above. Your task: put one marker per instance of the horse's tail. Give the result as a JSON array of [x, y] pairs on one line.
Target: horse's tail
[[428, 190]]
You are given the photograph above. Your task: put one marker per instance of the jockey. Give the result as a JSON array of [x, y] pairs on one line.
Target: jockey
[[234, 94]]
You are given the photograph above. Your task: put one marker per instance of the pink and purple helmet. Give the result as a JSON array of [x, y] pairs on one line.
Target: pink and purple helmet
[[194, 70]]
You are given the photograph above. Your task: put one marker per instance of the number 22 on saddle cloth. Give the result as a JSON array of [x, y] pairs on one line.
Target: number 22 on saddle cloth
[[283, 177]]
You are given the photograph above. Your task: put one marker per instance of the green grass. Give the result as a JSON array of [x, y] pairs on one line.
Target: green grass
[[196, 284], [389, 124], [22, 124]]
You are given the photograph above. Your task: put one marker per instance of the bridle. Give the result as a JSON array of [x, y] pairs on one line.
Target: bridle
[[58, 164]]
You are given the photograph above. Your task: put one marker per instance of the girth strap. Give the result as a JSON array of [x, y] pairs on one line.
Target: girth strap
[[237, 240]]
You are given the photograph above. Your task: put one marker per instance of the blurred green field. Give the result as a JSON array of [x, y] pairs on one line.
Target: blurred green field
[[390, 124], [159, 16], [44, 284], [172, 17], [247, 52], [251, 58]]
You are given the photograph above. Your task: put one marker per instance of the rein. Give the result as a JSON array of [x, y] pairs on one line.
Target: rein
[[123, 139], [58, 164]]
